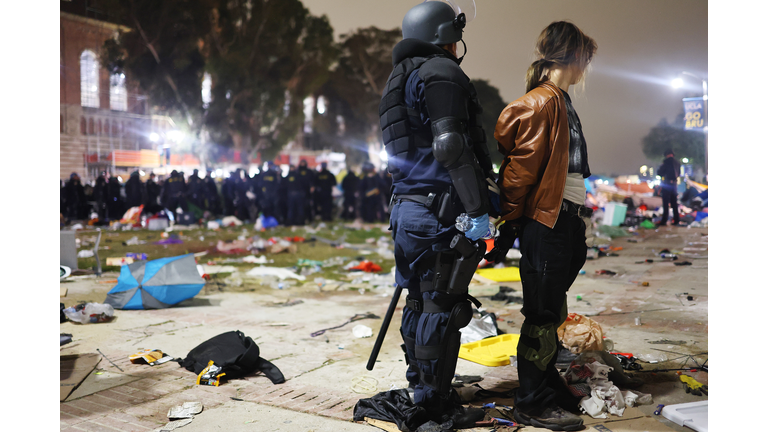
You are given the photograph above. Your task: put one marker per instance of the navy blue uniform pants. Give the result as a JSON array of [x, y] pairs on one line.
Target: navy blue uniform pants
[[297, 201], [551, 260], [419, 236]]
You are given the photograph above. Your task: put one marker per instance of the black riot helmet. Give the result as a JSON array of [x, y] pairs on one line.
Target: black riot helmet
[[435, 22]]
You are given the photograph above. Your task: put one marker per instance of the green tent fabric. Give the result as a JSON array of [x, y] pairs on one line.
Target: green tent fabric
[[195, 210]]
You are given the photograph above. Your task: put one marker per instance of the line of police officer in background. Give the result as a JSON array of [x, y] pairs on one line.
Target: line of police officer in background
[[297, 198]]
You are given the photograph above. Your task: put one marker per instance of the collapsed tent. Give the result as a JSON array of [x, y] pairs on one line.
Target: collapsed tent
[[156, 284]]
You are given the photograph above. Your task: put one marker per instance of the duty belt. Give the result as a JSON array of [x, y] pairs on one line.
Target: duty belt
[[428, 201], [575, 209]]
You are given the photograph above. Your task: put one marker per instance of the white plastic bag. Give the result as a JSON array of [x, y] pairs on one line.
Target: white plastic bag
[[91, 313], [478, 329]]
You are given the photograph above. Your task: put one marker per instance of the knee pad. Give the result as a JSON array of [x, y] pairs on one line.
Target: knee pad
[[547, 337]]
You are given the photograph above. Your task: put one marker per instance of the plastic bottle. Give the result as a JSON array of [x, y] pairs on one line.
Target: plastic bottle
[[668, 255], [464, 224]]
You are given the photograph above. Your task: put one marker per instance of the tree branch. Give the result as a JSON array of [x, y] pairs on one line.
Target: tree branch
[[166, 75]]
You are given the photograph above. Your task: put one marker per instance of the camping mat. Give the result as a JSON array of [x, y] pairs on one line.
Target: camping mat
[[74, 369]]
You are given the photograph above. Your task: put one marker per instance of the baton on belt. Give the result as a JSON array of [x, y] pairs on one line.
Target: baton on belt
[[384, 327]]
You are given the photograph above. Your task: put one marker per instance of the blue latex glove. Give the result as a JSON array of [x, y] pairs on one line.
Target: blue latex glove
[[479, 228]]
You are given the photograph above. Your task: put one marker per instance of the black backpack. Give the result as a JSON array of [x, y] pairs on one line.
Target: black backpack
[[235, 353]]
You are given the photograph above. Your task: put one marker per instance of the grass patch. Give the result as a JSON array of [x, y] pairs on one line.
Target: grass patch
[[202, 239]]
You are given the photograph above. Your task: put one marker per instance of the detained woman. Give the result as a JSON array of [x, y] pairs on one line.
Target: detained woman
[[542, 202]]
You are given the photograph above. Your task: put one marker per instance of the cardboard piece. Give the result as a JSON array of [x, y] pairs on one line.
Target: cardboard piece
[[629, 414], [63, 291], [68, 249], [381, 424], [647, 424], [74, 369], [119, 261]]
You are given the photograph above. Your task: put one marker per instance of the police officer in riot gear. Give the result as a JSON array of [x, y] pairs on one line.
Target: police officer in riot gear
[[431, 126]]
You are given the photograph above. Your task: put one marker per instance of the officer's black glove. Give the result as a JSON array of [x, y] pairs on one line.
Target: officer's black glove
[[508, 232]]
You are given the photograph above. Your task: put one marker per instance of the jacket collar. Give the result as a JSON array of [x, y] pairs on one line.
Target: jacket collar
[[408, 48], [552, 87]]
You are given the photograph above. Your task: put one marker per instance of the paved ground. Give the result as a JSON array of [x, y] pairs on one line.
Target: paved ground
[[326, 375]]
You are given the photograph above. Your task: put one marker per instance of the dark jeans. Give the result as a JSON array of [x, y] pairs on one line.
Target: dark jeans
[[669, 197], [550, 263]]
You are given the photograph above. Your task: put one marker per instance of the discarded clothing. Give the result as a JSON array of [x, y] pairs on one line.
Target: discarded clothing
[[600, 397], [367, 266], [393, 406]]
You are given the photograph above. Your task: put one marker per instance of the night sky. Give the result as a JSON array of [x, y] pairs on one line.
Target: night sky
[[642, 46]]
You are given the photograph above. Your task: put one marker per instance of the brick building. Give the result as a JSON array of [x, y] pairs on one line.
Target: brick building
[[105, 123]]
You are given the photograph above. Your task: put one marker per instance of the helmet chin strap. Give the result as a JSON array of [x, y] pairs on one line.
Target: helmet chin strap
[[465, 51]]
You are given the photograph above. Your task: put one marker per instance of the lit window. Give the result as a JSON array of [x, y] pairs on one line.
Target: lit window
[[118, 96], [206, 90], [89, 80]]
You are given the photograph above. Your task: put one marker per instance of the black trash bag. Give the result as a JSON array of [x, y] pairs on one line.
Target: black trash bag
[[235, 353], [393, 406]]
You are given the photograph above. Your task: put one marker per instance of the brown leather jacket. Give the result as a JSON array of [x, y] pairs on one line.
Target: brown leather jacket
[[533, 136]]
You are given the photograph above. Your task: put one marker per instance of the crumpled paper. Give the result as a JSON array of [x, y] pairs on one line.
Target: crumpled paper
[[186, 410], [579, 333], [604, 397]]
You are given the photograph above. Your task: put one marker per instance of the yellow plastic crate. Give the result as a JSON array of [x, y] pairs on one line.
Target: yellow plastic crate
[[494, 351]]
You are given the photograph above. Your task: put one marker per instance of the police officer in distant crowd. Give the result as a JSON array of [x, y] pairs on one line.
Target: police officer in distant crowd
[[74, 198], [371, 190], [269, 187], [174, 190], [100, 195], [308, 180], [135, 193], [115, 203], [228, 190], [669, 172], [296, 188], [152, 204], [324, 184], [195, 190], [432, 131], [349, 186], [210, 193], [243, 195]]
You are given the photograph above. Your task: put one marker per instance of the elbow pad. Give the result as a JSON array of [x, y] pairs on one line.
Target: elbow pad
[[450, 148]]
